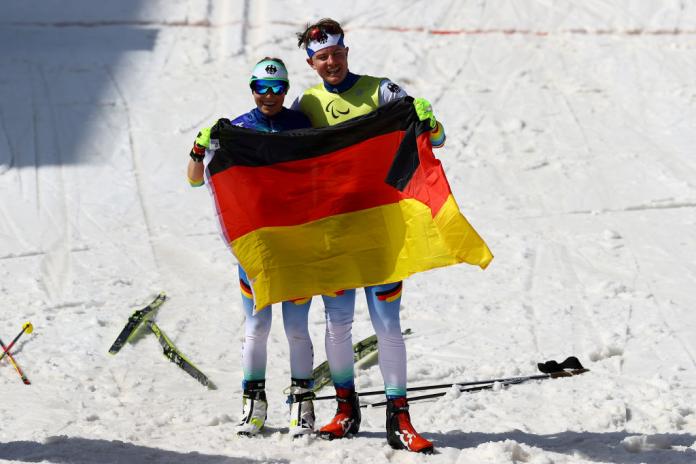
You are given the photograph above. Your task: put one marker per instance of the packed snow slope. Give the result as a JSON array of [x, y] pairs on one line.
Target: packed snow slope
[[571, 133]]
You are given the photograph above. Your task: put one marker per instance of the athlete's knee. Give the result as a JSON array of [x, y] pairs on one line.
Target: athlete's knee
[[297, 333], [258, 325], [338, 333], [391, 326], [392, 340], [295, 318]]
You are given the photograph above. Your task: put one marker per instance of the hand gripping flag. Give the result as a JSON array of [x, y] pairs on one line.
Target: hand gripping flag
[[311, 211]]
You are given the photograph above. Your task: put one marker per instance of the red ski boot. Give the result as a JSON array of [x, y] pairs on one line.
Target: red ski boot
[[347, 419], [400, 432]]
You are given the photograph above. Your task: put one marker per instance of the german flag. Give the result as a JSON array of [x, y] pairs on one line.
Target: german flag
[[245, 289], [390, 294], [361, 203]]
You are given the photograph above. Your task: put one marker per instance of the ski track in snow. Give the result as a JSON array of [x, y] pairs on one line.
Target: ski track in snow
[[137, 169], [570, 133]]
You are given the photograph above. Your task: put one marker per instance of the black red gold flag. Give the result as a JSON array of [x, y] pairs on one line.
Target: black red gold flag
[[313, 211]]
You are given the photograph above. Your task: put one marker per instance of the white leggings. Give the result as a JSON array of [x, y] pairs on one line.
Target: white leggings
[[383, 302], [258, 326]]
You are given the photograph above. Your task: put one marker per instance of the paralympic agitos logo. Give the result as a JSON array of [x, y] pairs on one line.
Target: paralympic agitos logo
[[333, 108]]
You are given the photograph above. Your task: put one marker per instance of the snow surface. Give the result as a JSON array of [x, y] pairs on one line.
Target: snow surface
[[572, 127]]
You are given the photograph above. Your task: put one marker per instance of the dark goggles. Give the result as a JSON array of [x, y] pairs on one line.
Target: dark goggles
[[262, 87]]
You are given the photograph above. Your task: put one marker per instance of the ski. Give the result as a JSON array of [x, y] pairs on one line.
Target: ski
[[172, 353], [135, 322], [361, 350], [553, 368]]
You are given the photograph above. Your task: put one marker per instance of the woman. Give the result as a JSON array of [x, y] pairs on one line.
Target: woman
[[269, 84]]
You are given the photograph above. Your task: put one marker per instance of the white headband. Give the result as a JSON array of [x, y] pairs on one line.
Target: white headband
[[324, 41]]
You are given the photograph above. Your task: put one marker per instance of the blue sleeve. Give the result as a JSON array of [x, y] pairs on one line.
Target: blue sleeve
[[241, 121]]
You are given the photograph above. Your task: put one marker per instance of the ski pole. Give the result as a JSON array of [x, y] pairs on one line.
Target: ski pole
[[28, 328], [548, 367], [443, 385], [490, 386], [14, 364]]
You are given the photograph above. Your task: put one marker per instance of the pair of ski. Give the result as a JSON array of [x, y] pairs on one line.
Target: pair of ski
[[571, 366], [26, 328], [143, 317], [362, 352]]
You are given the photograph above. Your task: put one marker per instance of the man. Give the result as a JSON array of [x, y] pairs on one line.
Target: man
[[341, 96]]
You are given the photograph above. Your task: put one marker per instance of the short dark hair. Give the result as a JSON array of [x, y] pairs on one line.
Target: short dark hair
[[327, 25]]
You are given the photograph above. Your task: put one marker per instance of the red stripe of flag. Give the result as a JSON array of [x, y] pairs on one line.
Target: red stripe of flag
[[347, 180]]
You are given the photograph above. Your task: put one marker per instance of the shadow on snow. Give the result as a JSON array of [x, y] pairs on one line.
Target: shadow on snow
[[602, 447], [64, 450], [57, 79]]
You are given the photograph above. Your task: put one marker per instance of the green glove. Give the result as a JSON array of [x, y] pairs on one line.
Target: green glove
[[203, 138], [424, 110]]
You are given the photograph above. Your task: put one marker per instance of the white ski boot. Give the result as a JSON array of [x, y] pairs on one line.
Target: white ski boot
[[253, 409], [301, 407]]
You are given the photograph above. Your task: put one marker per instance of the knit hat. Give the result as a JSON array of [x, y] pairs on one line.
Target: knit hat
[[269, 70]]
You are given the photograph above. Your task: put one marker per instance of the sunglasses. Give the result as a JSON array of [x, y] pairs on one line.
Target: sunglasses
[[275, 87]]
